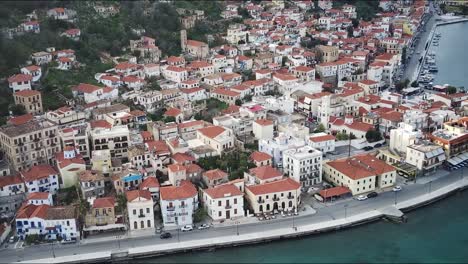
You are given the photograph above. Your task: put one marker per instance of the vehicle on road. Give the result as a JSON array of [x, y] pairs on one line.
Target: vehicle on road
[[372, 195], [165, 235], [159, 230], [397, 188], [361, 198], [186, 228], [203, 226], [378, 145], [12, 239]]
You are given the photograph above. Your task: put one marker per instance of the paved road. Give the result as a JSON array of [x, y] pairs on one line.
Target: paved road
[[420, 45], [327, 212]]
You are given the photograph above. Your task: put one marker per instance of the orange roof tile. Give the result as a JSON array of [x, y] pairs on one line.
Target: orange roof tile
[[283, 185], [225, 190], [322, 138], [212, 131], [265, 172], [360, 166], [38, 172], [132, 195], [215, 174], [104, 202], [259, 156], [184, 191]]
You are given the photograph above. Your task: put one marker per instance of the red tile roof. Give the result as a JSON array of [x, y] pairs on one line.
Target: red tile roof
[[265, 172], [38, 196], [223, 91], [335, 191], [264, 122], [19, 120], [283, 185], [100, 124], [184, 191], [38, 172], [27, 93], [215, 174], [176, 168], [20, 78], [86, 88], [225, 190], [27, 211], [212, 131], [360, 166], [322, 138], [259, 156], [150, 182], [132, 195], [172, 112], [182, 158], [104, 202], [10, 180]]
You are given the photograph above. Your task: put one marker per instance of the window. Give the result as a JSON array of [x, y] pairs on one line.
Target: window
[[219, 213], [134, 211], [235, 200], [219, 203]]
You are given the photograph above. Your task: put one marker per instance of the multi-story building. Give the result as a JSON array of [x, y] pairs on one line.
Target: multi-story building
[[282, 194], [178, 203], [92, 184], [116, 139], [127, 179], [453, 137], [361, 173], [275, 147], [163, 131], [31, 100], [20, 82], [214, 177], [303, 165], [219, 138], [39, 198], [426, 156], [224, 202], [41, 178], [70, 163], [101, 214], [263, 129], [65, 116], [50, 221], [261, 158], [261, 175], [403, 136], [140, 210], [323, 142], [77, 136], [12, 194], [327, 53], [29, 143]]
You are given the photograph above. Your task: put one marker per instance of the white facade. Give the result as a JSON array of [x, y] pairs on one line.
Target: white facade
[[303, 165], [263, 129], [140, 210], [402, 137], [178, 203], [275, 147], [224, 202]]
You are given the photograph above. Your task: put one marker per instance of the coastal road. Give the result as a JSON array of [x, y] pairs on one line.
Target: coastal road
[[326, 213], [420, 45]]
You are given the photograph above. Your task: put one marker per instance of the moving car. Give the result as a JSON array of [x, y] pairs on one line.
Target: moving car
[[165, 235], [397, 188], [372, 195], [204, 226], [361, 198], [186, 228]]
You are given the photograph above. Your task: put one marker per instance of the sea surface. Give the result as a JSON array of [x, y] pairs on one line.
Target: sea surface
[[437, 233], [452, 55]]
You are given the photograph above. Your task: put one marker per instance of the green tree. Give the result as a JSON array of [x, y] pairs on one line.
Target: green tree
[[18, 110], [451, 90], [415, 84], [342, 136], [121, 203], [238, 102], [169, 119], [200, 215], [373, 136], [320, 128]]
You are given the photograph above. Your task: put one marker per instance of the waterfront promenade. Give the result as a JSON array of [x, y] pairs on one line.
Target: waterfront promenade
[[338, 215]]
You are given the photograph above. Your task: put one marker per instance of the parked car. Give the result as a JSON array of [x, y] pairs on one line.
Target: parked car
[[12, 239], [378, 145], [397, 188], [186, 228], [165, 235], [203, 226], [367, 148], [361, 198], [159, 230], [372, 195]]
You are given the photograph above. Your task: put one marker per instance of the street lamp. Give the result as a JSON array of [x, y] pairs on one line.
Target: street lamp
[[396, 193], [53, 251], [237, 227], [178, 239], [345, 210], [430, 186]]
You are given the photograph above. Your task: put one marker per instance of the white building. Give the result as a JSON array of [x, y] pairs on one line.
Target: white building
[[140, 209], [224, 202], [217, 137], [303, 165], [39, 198], [323, 142], [403, 136], [283, 194], [41, 178], [275, 147], [20, 82], [425, 156], [178, 203], [116, 139], [263, 129]]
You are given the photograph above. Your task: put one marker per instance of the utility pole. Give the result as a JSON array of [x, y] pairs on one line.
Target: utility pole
[[237, 227], [345, 210]]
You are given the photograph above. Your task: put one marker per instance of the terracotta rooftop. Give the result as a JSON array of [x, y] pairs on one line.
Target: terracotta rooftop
[[222, 191], [265, 172], [184, 191], [283, 185], [259, 156], [104, 202], [132, 195], [38, 172], [215, 174], [360, 166]]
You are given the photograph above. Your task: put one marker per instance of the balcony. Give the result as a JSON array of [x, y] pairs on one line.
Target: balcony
[[260, 201], [290, 197], [228, 206], [36, 139], [170, 208], [141, 215], [276, 199], [183, 206]]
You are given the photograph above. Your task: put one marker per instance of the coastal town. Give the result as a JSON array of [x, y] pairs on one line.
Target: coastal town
[[238, 116]]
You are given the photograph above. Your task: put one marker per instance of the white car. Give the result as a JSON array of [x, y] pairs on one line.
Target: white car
[[397, 188], [204, 226], [186, 228], [361, 197]]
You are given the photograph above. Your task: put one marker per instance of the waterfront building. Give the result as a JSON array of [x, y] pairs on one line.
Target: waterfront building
[[70, 163], [41, 178], [276, 195], [453, 137], [322, 142], [275, 147], [92, 184], [361, 173], [426, 156], [178, 203], [223, 202], [140, 210], [402, 137], [304, 165]]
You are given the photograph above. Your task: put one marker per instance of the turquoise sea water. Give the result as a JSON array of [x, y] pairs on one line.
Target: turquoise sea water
[[434, 234], [437, 233], [452, 55]]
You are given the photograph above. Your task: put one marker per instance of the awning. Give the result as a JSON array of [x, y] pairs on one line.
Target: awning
[[452, 161], [463, 156], [335, 191]]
